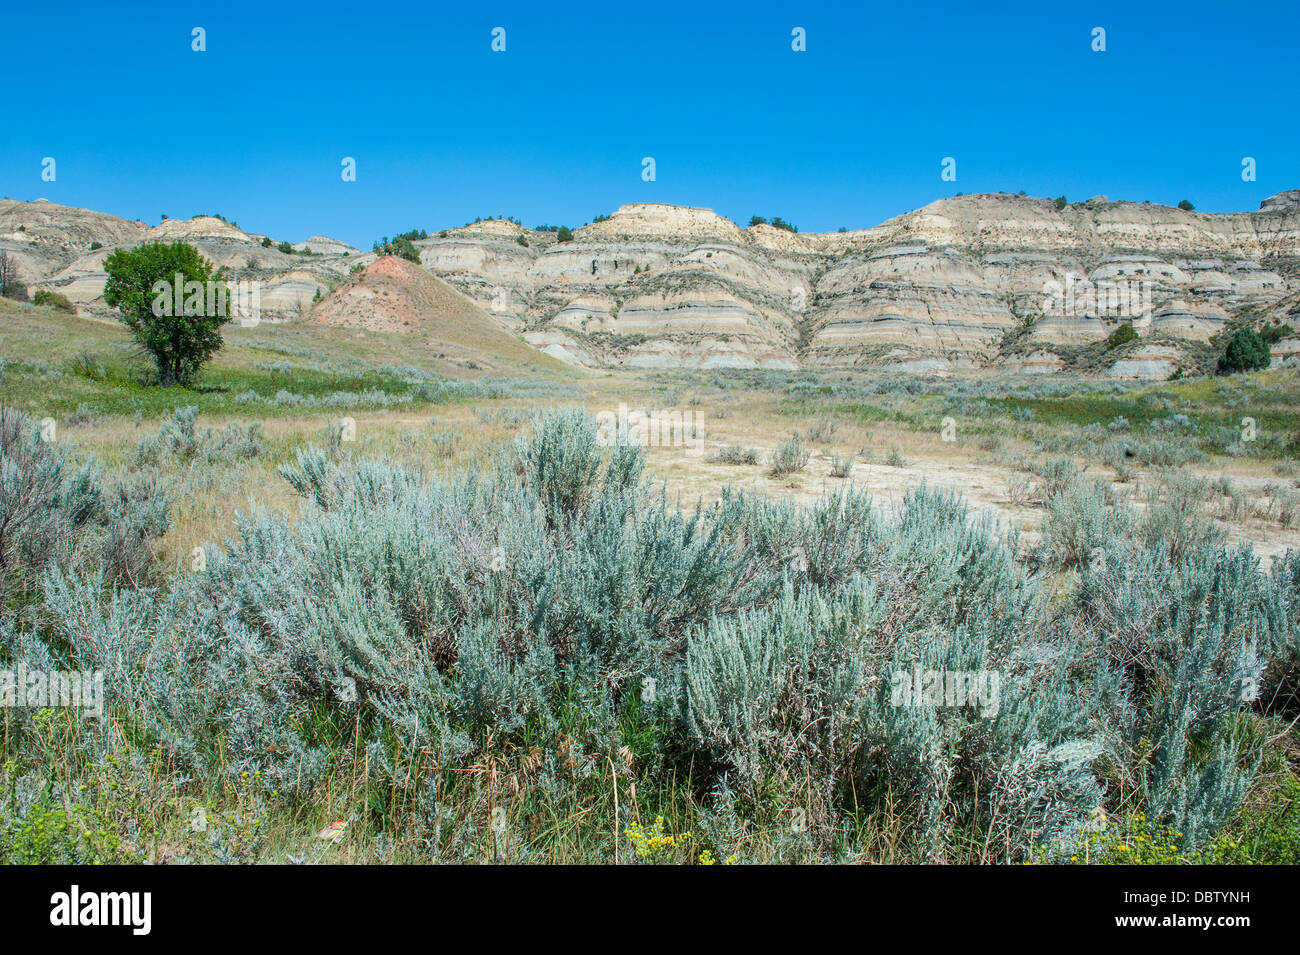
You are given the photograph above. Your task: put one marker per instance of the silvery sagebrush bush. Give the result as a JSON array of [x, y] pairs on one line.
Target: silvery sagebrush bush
[[52, 510], [179, 439], [758, 642]]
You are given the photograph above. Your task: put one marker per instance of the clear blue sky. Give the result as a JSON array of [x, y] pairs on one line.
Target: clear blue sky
[[553, 130]]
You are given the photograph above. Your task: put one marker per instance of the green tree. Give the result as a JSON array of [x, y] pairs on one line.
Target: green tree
[[169, 297], [1121, 336], [1186, 206], [400, 246], [1246, 351], [563, 234]]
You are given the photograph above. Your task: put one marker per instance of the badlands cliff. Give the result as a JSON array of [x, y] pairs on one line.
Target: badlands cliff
[[969, 282]]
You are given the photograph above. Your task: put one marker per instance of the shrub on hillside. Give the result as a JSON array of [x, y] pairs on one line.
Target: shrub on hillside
[[54, 300], [1245, 351], [1122, 335], [1274, 333]]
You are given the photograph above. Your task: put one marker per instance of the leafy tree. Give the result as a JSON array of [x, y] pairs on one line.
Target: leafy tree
[[562, 234], [266, 241], [757, 220], [285, 247], [1246, 351], [1121, 336], [181, 331], [1186, 206], [1059, 202]]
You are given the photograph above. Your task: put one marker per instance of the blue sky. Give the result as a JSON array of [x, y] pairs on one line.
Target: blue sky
[[554, 129]]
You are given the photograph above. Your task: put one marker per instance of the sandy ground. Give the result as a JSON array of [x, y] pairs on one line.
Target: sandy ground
[[985, 486]]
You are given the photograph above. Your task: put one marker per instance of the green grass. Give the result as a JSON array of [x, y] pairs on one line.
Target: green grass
[[54, 363], [1215, 407]]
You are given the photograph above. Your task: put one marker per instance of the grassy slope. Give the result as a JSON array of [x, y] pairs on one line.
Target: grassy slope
[[47, 376]]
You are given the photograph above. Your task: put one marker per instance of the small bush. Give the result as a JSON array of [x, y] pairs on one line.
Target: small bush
[[1272, 334], [54, 300], [735, 454], [178, 439], [823, 431], [790, 456], [842, 467]]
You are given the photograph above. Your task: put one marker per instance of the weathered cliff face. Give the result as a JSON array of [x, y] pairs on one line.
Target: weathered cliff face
[[44, 239], [935, 289], [651, 286], [966, 282], [54, 252]]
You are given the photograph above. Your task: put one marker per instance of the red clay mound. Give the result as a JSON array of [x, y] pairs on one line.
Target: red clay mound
[[396, 296]]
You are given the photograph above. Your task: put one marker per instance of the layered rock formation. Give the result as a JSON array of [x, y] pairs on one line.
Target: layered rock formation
[[941, 288], [52, 245], [968, 282]]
